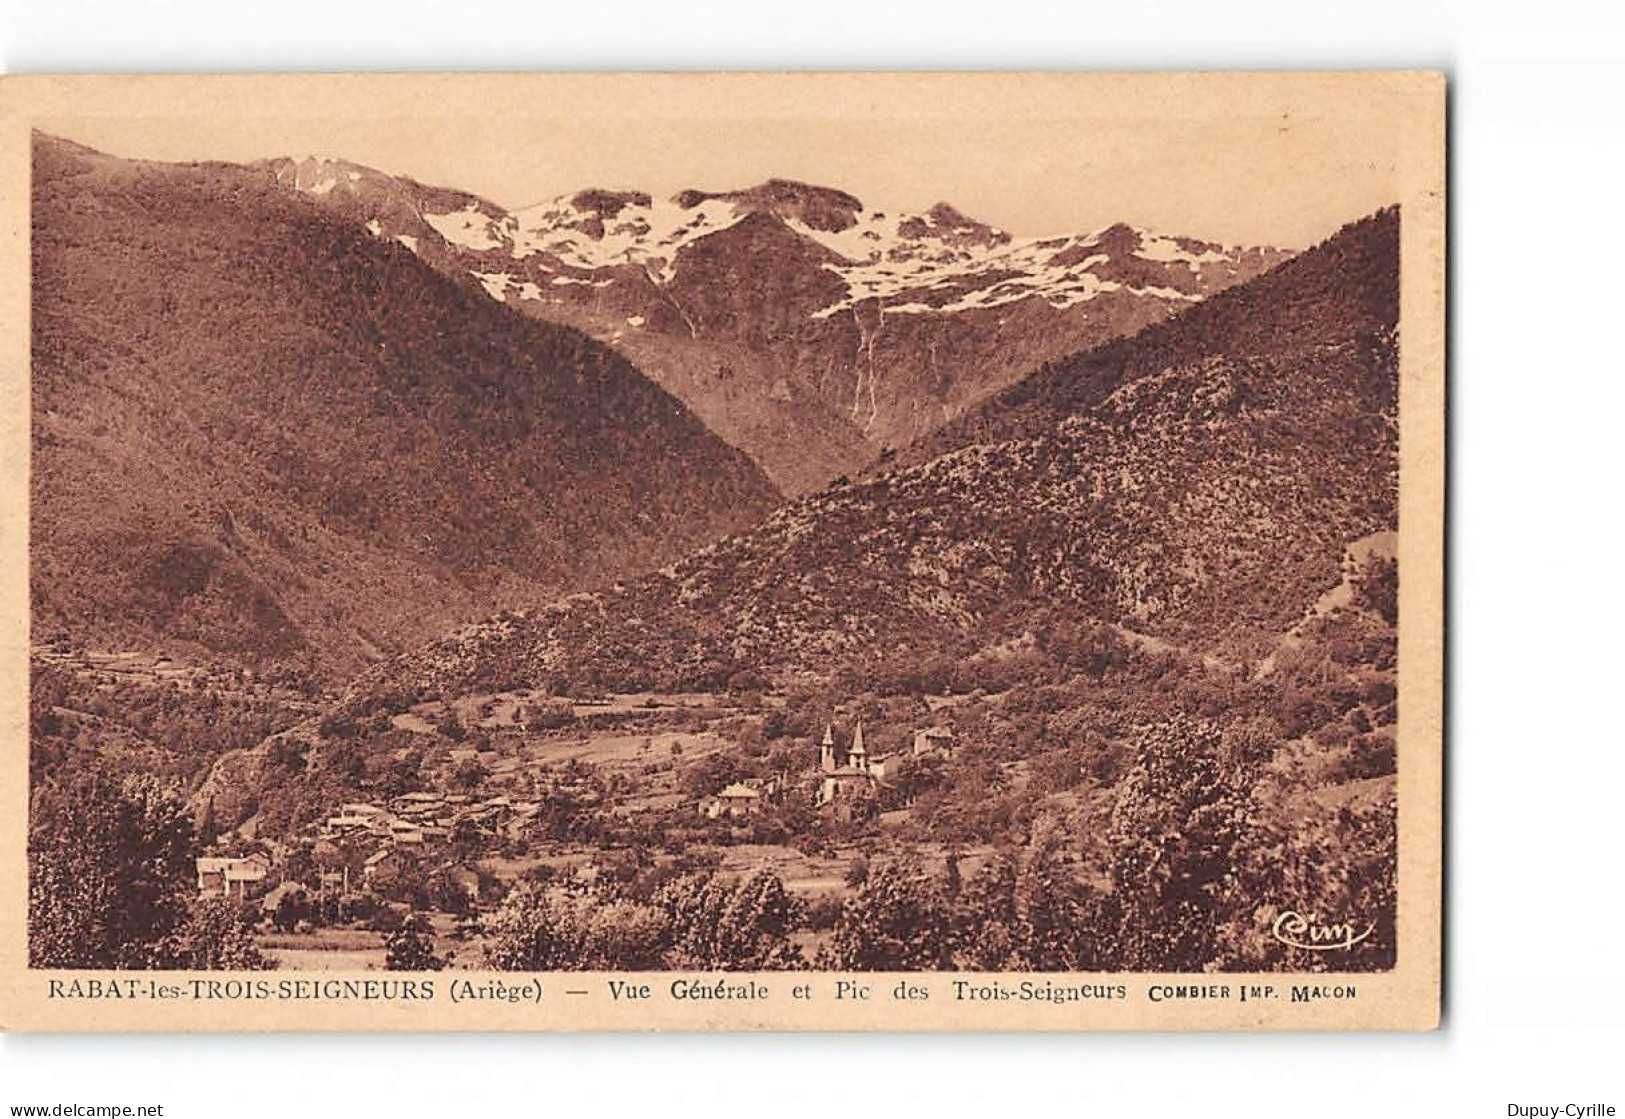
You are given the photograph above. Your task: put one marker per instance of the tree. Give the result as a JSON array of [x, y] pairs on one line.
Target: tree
[[444, 892], [747, 680], [469, 775], [451, 726], [754, 931], [1051, 909], [984, 917], [466, 839], [299, 865], [1329, 864], [292, 904], [547, 716], [919, 776], [48, 691], [541, 929], [709, 774], [410, 947], [1376, 588], [218, 937], [897, 921], [745, 926], [401, 880], [111, 868], [1174, 829], [402, 775], [207, 831], [693, 905]]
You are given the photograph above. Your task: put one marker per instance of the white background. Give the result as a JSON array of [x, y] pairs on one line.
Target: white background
[[1534, 1004]]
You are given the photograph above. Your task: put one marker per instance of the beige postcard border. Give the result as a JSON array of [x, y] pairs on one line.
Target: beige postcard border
[[1406, 998]]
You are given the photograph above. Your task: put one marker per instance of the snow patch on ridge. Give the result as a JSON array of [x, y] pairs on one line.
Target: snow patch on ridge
[[498, 284], [904, 257], [495, 284], [468, 227], [647, 236], [1167, 250]]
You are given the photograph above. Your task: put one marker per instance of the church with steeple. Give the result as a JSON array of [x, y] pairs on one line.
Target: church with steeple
[[845, 776]]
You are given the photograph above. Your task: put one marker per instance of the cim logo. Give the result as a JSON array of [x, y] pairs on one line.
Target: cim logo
[[1307, 932]]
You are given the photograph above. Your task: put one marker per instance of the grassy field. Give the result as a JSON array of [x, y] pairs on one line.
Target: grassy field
[[355, 949], [325, 950]]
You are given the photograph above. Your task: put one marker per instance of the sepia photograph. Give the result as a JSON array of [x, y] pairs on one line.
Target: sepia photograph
[[774, 534], [914, 559]]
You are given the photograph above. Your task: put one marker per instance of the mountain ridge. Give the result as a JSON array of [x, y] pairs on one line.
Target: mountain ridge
[[799, 316]]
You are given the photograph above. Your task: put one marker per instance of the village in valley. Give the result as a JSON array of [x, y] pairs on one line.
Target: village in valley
[[904, 813], [517, 787]]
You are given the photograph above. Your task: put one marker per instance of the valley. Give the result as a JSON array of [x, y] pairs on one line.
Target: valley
[[746, 580]]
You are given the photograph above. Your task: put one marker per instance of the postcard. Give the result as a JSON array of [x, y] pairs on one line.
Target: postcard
[[797, 551]]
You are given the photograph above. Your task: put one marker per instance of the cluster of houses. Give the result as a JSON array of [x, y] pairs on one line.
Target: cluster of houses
[[225, 876], [846, 781], [414, 828], [417, 818], [411, 821], [414, 820]]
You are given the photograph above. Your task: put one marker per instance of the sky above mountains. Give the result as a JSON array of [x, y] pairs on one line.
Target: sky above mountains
[[1032, 165]]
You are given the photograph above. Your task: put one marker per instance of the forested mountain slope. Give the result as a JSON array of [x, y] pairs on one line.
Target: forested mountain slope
[[265, 435], [1198, 483]]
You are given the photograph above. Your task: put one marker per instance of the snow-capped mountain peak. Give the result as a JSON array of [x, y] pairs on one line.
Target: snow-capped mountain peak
[[787, 310], [936, 262]]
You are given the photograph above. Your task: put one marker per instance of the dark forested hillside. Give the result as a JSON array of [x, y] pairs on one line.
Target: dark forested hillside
[[263, 434], [1345, 288], [1197, 485]]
